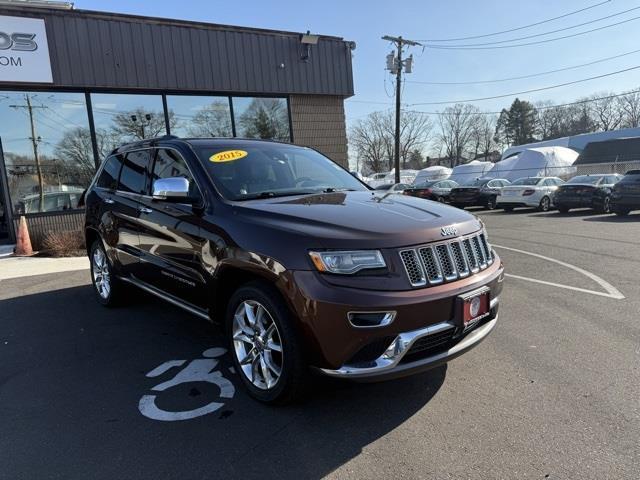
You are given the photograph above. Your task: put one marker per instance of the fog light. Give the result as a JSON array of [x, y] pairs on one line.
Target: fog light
[[370, 319]]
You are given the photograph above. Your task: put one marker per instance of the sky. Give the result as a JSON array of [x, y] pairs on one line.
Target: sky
[[365, 22]]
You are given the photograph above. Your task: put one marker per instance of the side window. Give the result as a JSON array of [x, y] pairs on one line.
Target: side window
[[170, 163], [133, 177], [110, 172], [610, 180]]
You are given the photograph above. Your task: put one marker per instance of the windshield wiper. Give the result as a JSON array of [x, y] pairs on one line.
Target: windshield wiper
[[271, 194], [333, 190]]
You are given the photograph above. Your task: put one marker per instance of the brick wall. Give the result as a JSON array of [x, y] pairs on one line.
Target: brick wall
[[318, 121]]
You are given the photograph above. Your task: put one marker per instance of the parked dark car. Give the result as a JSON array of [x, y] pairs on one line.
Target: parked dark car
[[481, 192], [300, 262], [438, 190], [625, 195], [398, 187], [586, 191]]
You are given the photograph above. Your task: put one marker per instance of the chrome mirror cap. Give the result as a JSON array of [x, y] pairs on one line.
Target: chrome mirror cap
[[173, 187]]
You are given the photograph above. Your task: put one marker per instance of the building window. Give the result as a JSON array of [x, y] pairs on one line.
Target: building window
[[199, 116], [262, 118], [47, 149], [122, 118]]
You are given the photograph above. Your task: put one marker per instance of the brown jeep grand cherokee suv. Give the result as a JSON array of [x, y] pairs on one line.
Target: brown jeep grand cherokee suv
[[304, 265]]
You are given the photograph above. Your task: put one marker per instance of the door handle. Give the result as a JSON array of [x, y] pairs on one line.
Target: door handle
[[110, 201], [145, 210]]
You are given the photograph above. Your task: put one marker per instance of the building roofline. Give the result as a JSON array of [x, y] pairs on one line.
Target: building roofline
[[96, 14]]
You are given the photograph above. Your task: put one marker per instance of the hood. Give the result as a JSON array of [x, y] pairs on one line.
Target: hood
[[357, 219]]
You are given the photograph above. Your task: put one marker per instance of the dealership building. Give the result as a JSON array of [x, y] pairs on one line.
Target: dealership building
[[75, 84]]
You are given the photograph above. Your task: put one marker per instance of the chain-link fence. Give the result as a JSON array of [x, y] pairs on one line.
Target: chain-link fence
[[609, 167]]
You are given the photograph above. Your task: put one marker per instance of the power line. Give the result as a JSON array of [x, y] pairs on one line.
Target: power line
[[498, 42], [547, 107], [515, 29], [479, 82], [453, 47], [530, 91]]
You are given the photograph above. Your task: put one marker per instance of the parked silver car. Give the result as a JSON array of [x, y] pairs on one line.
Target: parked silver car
[[535, 192]]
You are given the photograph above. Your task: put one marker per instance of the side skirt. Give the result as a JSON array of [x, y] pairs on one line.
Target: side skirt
[[199, 312]]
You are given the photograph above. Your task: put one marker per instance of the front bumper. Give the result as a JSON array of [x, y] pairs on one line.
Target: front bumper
[[331, 342], [390, 364]]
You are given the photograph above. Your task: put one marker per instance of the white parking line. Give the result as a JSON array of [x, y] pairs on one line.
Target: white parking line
[[611, 291]]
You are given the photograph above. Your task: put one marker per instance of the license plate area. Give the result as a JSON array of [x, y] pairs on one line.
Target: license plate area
[[473, 307]]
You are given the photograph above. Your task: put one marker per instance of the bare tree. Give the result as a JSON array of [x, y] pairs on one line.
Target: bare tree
[[373, 138], [482, 135], [457, 125], [214, 120], [138, 124], [630, 106], [605, 111]]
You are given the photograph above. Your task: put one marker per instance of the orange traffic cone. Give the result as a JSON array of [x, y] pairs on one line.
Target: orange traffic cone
[[23, 241]]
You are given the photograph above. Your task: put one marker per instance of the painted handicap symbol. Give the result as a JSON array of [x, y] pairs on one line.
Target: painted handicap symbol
[[198, 370]]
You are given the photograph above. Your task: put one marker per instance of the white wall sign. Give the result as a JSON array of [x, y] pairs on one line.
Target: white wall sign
[[24, 51]]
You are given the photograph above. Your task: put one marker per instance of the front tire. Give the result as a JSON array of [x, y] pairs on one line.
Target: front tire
[[545, 204], [491, 203], [265, 348], [606, 205], [108, 288]]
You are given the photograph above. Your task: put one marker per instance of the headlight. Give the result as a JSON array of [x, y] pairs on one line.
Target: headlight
[[347, 262]]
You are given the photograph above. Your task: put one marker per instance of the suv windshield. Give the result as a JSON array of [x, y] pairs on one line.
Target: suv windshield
[[527, 181], [245, 171], [585, 179]]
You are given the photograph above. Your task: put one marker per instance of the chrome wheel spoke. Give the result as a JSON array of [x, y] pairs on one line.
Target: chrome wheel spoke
[[243, 337], [248, 358], [275, 347], [268, 359]]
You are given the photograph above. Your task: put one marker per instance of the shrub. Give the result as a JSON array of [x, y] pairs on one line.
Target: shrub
[[64, 244]]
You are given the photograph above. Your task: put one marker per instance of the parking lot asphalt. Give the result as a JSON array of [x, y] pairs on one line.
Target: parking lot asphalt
[[552, 393]]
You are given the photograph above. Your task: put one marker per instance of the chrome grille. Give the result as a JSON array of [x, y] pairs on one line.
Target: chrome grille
[[431, 265], [413, 267], [447, 261]]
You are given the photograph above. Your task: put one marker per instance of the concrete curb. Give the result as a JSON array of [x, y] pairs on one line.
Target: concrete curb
[[17, 267]]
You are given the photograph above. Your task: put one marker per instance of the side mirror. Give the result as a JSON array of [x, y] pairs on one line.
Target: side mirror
[[174, 189]]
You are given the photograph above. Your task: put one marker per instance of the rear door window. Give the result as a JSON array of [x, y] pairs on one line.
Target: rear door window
[[134, 173], [110, 172]]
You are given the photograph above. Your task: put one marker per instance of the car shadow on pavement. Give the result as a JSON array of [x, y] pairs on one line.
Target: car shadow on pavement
[[631, 218], [73, 373]]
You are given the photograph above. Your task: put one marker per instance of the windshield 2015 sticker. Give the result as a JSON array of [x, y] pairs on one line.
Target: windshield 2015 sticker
[[228, 156]]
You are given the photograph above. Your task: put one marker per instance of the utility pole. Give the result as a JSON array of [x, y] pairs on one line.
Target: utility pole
[[395, 64], [34, 142]]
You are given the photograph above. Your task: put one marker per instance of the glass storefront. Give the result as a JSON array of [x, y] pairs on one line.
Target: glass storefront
[[200, 116], [122, 118], [266, 118], [48, 148]]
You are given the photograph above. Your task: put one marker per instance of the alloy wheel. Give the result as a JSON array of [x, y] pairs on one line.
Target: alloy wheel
[[544, 204], [101, 274], [257, 344], [607, 205]]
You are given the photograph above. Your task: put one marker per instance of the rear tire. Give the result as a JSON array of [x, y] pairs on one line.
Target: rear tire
[[272, 368], [440, 199], [545, 204], [108, 288]]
